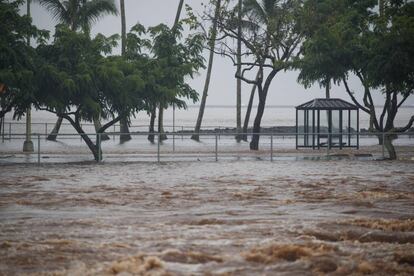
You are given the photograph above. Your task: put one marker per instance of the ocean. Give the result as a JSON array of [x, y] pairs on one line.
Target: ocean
[[214, 117]]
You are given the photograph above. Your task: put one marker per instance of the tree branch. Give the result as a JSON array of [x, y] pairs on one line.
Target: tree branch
[[353, 98], [407, 127]]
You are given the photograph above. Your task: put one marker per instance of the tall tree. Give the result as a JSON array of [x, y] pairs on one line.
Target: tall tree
[[162, 106], [28, 144], [124, 129], [238, 84], [378, 50], [17, 59], [78, 15], [271, 43], [76, 82], [211, 45]]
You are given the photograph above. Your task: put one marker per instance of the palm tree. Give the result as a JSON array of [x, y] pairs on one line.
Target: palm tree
[[28, 144], [212, 40], [78, 15], [238, 84], [125, 136], [162, 106], [274, 22]]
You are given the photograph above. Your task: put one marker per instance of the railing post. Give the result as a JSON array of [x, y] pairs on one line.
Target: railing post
[[45, 130], [271, 147], [99, 148], [10, 131], [158, 148], [216, 148], [38, 149], [383, 145], [328, 145], [2, 129]]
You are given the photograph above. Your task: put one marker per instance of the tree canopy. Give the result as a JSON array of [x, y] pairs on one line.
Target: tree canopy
[[349, 38], [17, 58]]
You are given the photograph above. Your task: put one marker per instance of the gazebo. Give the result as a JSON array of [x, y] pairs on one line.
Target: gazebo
[[332, 123]]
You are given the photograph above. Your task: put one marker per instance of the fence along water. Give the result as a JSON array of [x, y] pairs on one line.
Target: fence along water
[[179, 147]]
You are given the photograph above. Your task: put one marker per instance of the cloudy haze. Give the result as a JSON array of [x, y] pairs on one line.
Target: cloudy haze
[[284, 89]]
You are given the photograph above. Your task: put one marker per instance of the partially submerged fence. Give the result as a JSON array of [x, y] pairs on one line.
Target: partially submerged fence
[[179, 147]]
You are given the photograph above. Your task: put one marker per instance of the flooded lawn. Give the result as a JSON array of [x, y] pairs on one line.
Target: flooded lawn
[[208, 218]]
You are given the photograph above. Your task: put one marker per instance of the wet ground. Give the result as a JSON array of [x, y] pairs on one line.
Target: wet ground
[[208, 218]]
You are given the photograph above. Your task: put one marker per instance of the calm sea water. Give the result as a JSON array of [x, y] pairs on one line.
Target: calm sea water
[[214, 116]]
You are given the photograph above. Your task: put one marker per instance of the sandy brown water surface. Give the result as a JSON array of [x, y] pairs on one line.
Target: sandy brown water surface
[[201, 218]]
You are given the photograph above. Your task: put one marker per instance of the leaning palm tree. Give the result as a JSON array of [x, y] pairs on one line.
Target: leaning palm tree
[[211, 44], [238, 80], [162, 105], [78, 15], [125, 136]]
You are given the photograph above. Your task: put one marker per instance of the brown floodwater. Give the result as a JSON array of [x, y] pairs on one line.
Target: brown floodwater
[[208, 218]]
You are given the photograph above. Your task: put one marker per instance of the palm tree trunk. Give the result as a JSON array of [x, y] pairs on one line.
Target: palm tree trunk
[[53, 135], [124, 136], [161, 107], [28, 144], [196, 136], [123, 27], [177, 15], [238, 85]]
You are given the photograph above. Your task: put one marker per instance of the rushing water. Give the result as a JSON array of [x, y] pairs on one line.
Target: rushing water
[[192, 218]]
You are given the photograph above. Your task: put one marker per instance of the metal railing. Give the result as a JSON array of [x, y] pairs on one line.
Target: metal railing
[[47, 127], [211, 147]]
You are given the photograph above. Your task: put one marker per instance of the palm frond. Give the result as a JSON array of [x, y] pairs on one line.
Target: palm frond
[[57, 9], [255, 9], [93, 10]]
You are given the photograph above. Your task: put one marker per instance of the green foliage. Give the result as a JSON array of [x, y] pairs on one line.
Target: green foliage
[[79, 14], [172, 62], [16, 57], [390, 61], [333, 29], [347, 36], [75, 77]]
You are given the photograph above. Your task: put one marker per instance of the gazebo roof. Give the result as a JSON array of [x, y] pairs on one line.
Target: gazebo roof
[[327, 104]]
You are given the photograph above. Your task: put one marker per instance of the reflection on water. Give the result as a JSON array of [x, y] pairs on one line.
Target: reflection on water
[[225, 218]]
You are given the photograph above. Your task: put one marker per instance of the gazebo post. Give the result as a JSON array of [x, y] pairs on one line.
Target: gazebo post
[[297, 129], [340, 129], [349, 128], [313, 129], [329, 128], [319, 129], [357, 128]]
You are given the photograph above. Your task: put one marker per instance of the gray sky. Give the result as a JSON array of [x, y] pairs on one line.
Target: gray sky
[[284, 89]]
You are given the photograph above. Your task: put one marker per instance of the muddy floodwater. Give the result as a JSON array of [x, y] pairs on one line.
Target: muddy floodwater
[[208, 218]]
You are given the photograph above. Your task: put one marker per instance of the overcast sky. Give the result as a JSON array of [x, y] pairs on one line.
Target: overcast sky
[[284, 89]]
